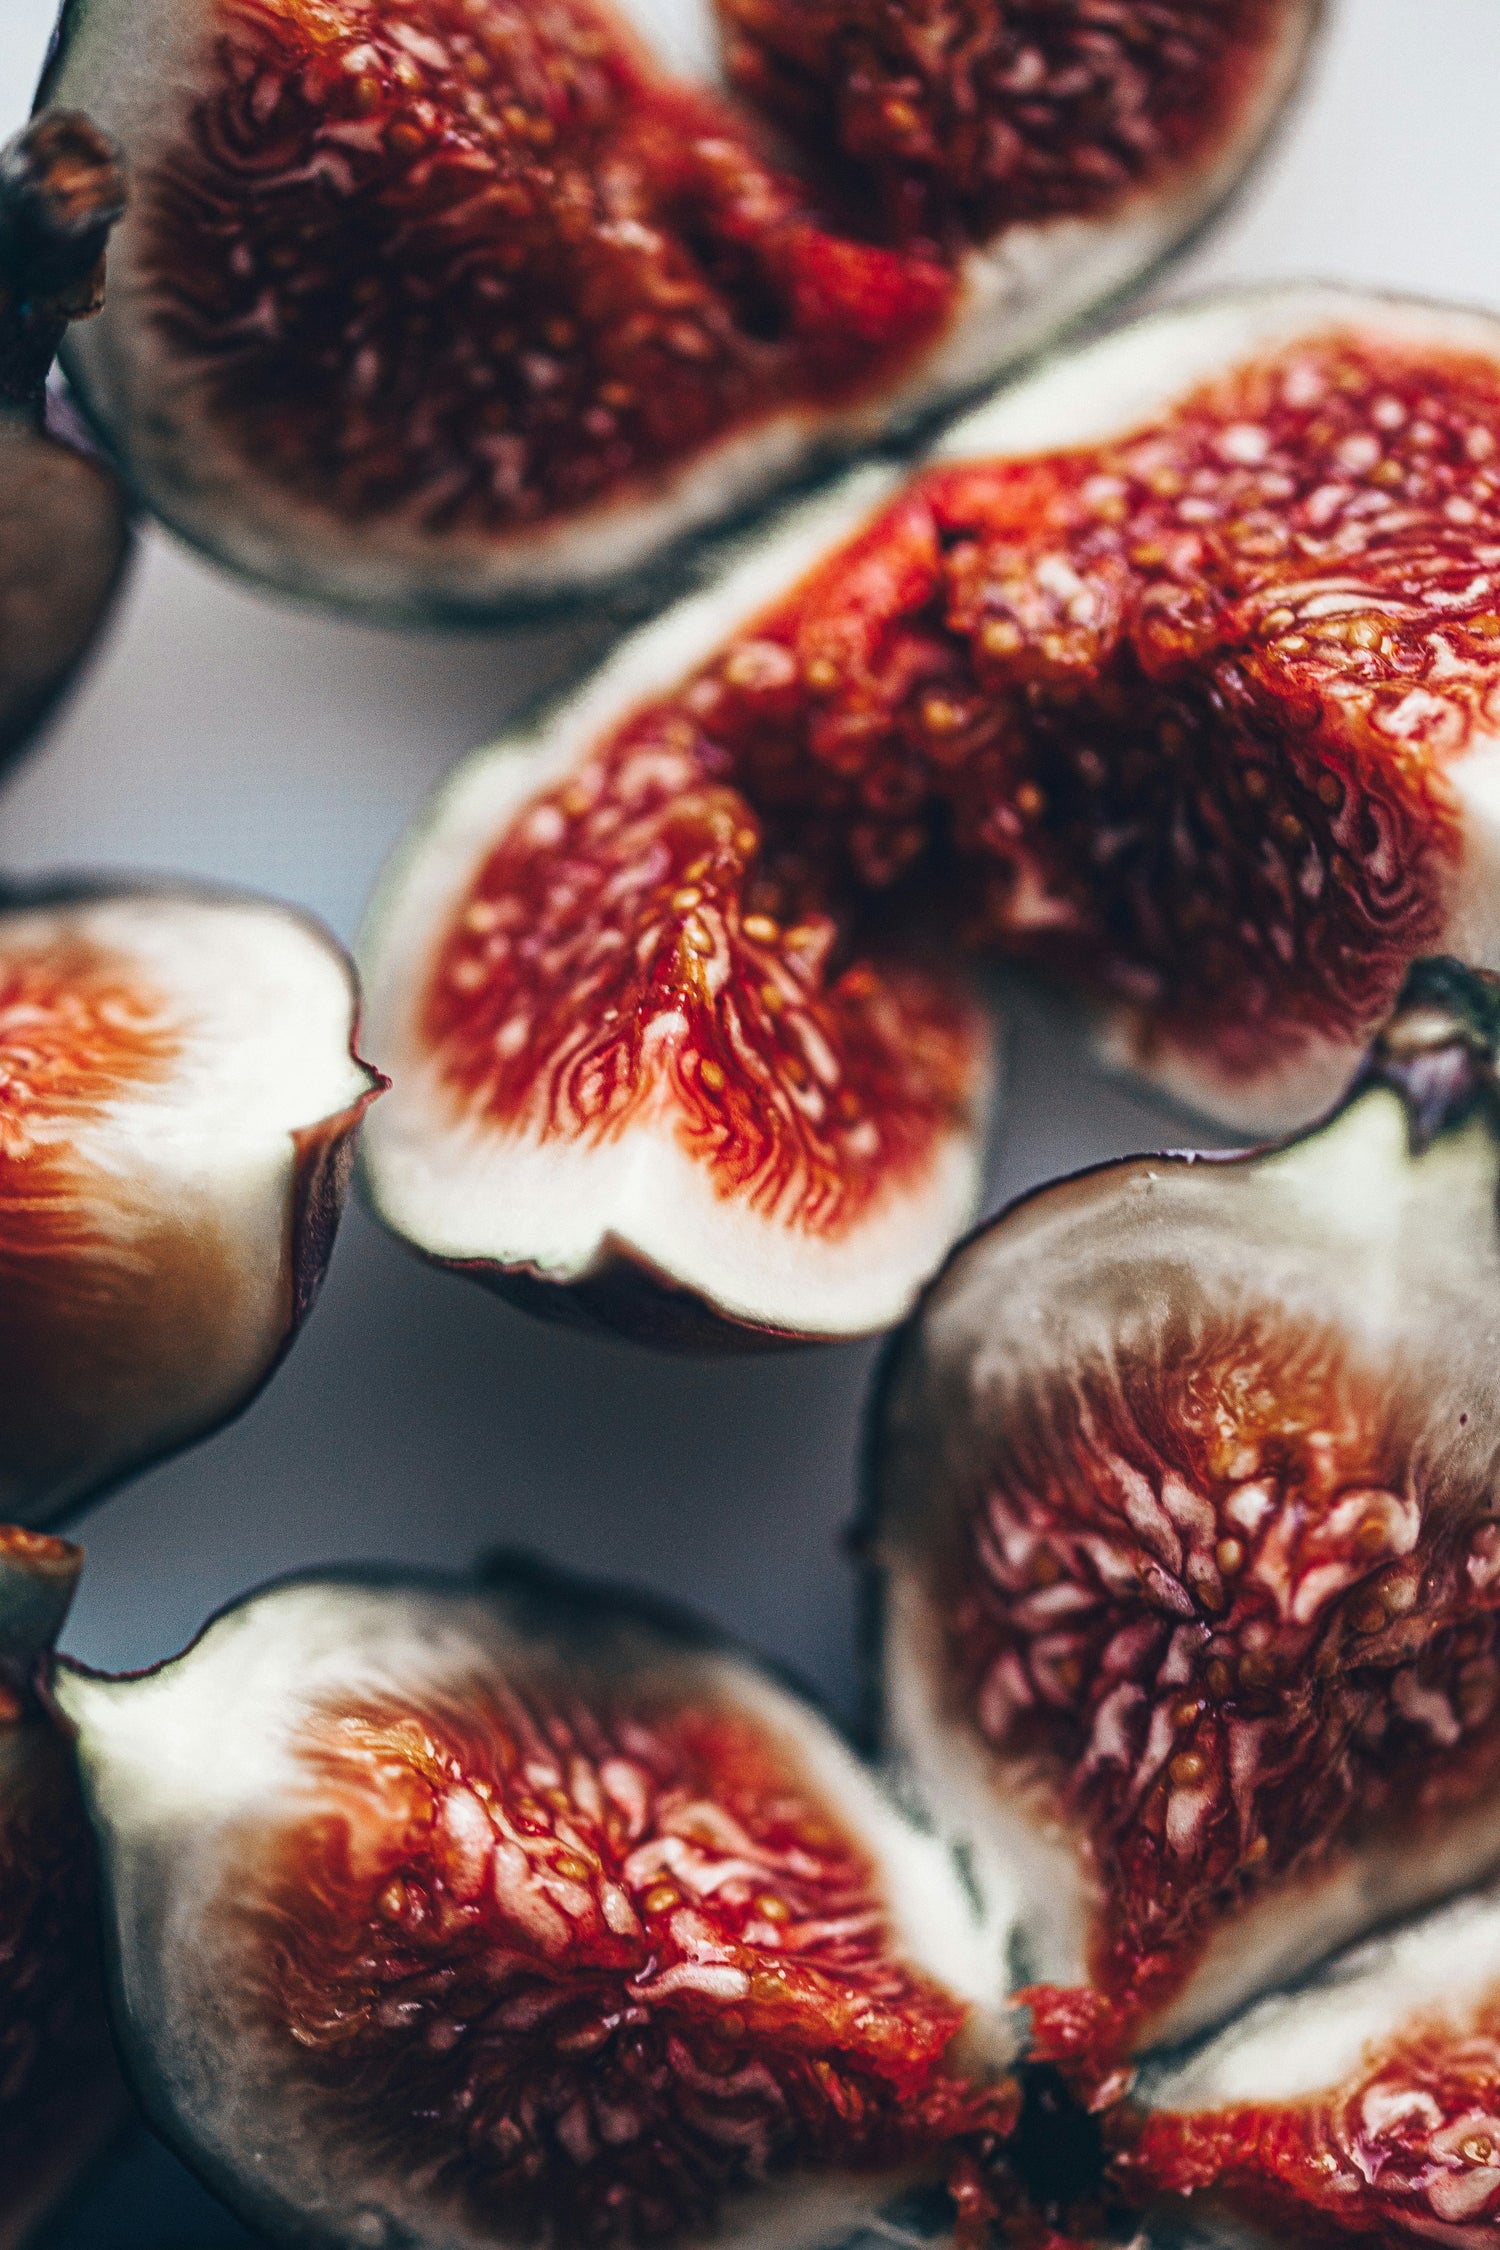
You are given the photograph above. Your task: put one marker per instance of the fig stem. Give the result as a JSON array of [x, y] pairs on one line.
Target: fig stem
[[62, 187], [1441, 1049], [38, 1578]]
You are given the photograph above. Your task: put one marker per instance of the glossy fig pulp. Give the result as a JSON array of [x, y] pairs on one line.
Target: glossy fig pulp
[[1176, 672], [61, 2095], [63, 528], [516, 1914], [437, 304], [178, 1100]]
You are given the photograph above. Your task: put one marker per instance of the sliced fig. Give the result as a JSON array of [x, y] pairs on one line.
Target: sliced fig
[[61, 2095], [178, 1101], [64, 534], [1186, 1511], [436, 306], [1178, 671], [1365, 2104], [449, 1913]]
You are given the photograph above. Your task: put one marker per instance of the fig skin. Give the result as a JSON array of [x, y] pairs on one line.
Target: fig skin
[[1283, 1363], [169, 1192], [1075, 694], [311, 1775], [64, 523], [359, 466], [63, 2106]]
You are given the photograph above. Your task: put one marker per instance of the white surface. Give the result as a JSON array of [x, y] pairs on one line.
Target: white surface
[[229, 735]]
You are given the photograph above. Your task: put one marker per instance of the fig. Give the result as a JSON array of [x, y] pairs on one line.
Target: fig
[[1175, 671], [64, 532], [178, 1101], [447, 1912], [61, 2095], [1185, 1514], [452, 307]]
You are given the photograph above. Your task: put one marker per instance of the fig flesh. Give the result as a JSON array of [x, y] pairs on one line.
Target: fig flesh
[[433, 307], [1184, 1508], [64, 533], [1176, 670], [449, 1913], [178, 1101], [1363, 2105], [61, 2095]]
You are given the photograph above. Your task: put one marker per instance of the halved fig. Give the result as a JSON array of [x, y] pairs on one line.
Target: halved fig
[[437, 306], [1365, 2104], [1186, 1512], [454, 1913], [61, 2095], [64, 532], [1176, 670], [178, 1102]]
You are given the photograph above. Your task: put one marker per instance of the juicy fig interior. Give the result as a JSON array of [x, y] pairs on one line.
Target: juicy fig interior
[[477, 301], [529, 1916], [177, 1096], [1200, 716], [1185, 1505]]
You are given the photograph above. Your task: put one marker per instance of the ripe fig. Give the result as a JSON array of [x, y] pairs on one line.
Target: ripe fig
[[1176, 670], [1186, 1512], [1364, 2104], [458, 1914], [64, 534], [178, 1101], [61, 2095], [437, 307]]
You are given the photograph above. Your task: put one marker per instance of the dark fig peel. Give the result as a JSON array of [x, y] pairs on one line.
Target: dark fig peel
[[447, 1912], [178, 1101], [61, 2095], [64, 532], [436, 309], [1175, 671]]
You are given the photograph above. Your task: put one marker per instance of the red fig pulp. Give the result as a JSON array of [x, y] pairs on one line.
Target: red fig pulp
[[1185, 1507], [63, 528], [1177, 672], [61, 2097], [525, 1914], [178, 1098], [432, 303]]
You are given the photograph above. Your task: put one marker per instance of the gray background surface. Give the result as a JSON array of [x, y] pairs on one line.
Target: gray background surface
[[224, 733]]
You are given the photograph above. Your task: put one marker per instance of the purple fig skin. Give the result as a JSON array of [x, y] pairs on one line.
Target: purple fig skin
[[64, 2100], [64, 521]]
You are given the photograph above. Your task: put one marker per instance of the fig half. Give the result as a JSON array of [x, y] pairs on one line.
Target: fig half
[[437, 307], [447, 1913], [64, 531], [178, 1102], [1175, 670], [1186, 1511], [61, 2095]]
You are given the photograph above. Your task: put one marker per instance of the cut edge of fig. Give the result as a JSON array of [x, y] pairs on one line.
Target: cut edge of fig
[[1376, 1228], [1015, 299], [657, 1251], [179, 1263], [186, 1774]]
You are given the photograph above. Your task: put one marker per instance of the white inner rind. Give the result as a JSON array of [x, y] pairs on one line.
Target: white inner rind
[[1345, 1230], [136, 66], [568, 1209], [181, 1190], [185, 1768], [1443, 1969]]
